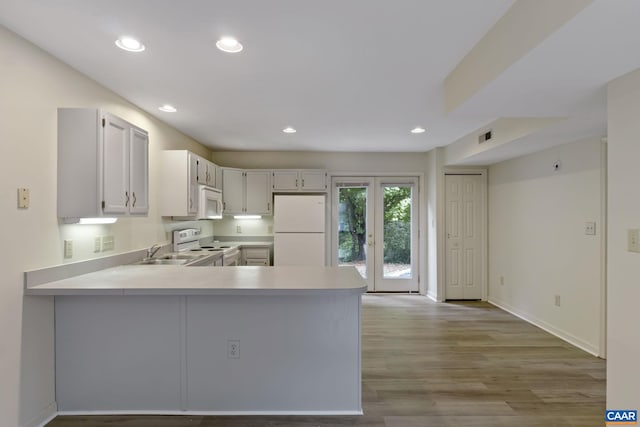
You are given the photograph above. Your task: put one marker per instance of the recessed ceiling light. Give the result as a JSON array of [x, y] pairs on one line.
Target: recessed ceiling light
[[289, 129], [168, 108], [130, 44], [229, 44], [417, 129]]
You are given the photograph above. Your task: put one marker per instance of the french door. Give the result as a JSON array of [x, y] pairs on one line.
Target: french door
[[375, 229]]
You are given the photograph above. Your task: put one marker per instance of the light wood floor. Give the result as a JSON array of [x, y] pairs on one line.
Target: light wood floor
[[454, 364]]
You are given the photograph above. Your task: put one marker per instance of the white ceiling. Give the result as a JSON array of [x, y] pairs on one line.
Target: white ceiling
[[349, 75]]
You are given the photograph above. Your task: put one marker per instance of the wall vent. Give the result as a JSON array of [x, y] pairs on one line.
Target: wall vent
[[484, 137]]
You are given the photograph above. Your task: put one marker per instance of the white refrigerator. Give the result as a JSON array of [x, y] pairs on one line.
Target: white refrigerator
[[298, 229]]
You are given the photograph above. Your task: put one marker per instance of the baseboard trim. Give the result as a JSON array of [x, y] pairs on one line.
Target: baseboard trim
[[212, 413], [44, 417], [563, 335]]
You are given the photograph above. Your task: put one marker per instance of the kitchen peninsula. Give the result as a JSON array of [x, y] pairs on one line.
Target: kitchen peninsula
[[219, 340]]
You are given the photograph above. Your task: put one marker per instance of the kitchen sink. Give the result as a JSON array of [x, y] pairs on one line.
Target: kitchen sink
[[179, 256], [164, 261]]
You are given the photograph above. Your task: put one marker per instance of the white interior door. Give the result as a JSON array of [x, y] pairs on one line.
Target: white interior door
[[465, 241], [375, 229]]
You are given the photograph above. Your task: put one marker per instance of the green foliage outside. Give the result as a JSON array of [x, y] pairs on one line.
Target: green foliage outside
[[397, 225]]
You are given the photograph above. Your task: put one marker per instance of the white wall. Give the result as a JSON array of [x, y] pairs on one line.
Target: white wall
[[623, 346], [537, 240], [32, 87]]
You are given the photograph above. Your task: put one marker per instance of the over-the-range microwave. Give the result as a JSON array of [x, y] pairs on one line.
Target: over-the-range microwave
[[209, 202]]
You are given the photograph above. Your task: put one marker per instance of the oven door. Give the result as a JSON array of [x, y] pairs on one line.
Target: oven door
[[210, 203]]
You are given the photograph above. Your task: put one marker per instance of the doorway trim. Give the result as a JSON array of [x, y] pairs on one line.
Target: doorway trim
[[484, 227]]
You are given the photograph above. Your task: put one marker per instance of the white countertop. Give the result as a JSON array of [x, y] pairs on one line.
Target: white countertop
[[181, 280]]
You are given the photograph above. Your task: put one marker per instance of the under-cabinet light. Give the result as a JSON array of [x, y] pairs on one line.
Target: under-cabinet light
[[97, 220], [247, 217]]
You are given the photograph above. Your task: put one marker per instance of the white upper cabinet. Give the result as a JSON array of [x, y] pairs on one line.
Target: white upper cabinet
[[208, 173], [179, 183], [285, 180], [103, 165], [246, 192], [299, 180], [139, 171], [257, 192], [233, 190]]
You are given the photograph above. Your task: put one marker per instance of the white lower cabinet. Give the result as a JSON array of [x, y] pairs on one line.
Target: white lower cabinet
[[256, 256]]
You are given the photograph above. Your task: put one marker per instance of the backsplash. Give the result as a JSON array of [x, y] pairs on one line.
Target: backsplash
[[228, 226]]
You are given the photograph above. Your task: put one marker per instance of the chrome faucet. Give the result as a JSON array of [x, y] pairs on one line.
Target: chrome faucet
[[152, 250]]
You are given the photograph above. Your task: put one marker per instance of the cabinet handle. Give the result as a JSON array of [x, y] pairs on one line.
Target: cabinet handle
[[268, 206], [303, 183], [190, 203], [126, 194], [224, 205], [134, 199], [296, 182]]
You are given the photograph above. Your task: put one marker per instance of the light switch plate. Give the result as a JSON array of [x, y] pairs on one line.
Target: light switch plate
[[68, 249], [23, 198]]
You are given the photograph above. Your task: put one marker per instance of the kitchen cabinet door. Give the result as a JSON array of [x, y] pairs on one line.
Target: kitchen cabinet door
[[192, 184], [257, 192], [179, 184], [206, 171], [218, 177], [115, 165], [201, 172], [139, 171], [313, 180], [285, 180], [233, 190]]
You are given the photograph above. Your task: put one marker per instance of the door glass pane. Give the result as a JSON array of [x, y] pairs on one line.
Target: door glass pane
[[397, 232], [352, 228]]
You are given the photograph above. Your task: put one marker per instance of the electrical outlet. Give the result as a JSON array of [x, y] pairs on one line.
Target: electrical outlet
[[501, 280], [238, 229], [108, 243], [97, 244], [633, 240], [557, 300], [68, 249], [270, 229], [233, 349], [590, 228]]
